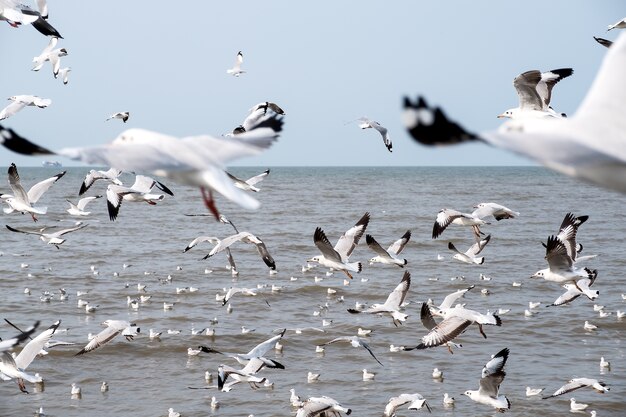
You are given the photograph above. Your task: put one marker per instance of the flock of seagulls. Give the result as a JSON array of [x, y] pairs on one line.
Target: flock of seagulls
[[200, 161]]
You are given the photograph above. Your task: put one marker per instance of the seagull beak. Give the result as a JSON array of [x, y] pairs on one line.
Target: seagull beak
[[501, 116]]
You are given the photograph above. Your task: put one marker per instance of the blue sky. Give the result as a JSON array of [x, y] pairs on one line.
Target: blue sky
[[325, 62]]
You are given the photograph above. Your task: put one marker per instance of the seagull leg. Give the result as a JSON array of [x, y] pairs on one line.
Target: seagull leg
[[152, 203], [480, 327], [449, 348], [209, 202], [33, 216], [20, 384], [348, 274]]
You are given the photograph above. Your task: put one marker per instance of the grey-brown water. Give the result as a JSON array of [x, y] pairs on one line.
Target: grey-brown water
[[147, 377]]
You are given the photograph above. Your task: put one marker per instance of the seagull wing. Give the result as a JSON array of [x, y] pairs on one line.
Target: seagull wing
[[526, 86], [37, 190], [367, 347], [490, 384], [7, 344], [200, 239], [71, 229], [572, 385], [11, 109], [397, 296], [427, 317], [445, 331], [324, 246], [262, 348], [496, 363], [82, 203], [258, 178], [16, 185], [33, 347], [227, 242], [101, 338], [398, 246], [477, 247], [312, 409], [265, 254], [444, 218], [375, 246], [556, 255], [29, 232], [548, 81], [568, 231], [348, 241], [450, 299], [143, 184]]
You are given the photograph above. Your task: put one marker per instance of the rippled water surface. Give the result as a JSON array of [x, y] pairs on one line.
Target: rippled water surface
[[147, 377]]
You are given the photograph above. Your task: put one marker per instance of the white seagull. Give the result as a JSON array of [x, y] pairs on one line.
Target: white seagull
[[489, 385], [442, 333], [21, 101], [258, 352], [354, 341], [315, 406], [93, 175], [14, 368], [389, 256], [561, 267], [194, 160], [49, 54], [50, 237], [249, 184], [23, 201], [16, 13], [123, 115], [534, 89], [140, 191], [365, 123], [113, 328], [588, 145], [337, 257], [577, 383], [78, 209], [414, 401], [446, 217], [255, 114], [498, 211], [214, 240], [236, 69], [470, 256], [392, 305], [245, 237]]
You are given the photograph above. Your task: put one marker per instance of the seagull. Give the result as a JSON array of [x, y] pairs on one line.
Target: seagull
[[172, 413], [16, 340], [124, 115], [268, 105], [442, 333], [21, 101], [415, 401], [104, 387], [52, 55], [23, 201], [249, 184], [576, 290], [92, 176], [576, 383], [561, 267], [235, 290], [574, 406], [445, 217], [16, 13], [354, 341], [78, 209], [194, 160], [113, 328], [337, 257], [587, 145], [52, 237], [392, 305], [255, 115], [492, 376], [447, 400], [567, 234], [388, 256], [530, 392], [316, 406], [236, 69], [534, 89], [621, 24], [470, 256], [257, 352], [604, 363], [245, 237], [365, 123], [140, 191], [11, 368], [214, 240], [499, 212], [64, 74]]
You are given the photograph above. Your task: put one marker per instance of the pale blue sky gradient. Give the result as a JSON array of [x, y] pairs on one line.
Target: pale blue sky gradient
[[325, 62]]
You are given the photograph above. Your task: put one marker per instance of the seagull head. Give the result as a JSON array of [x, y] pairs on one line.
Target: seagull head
[[314, 259], [539, 274], [508, 114]]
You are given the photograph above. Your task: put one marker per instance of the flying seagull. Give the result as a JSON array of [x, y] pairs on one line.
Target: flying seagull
[[113, 328], [534, 89], [249, 184], [498, 211], [7, 344], [441, 333], [392, 305], [16, 13], [389, 256], [194, 160], [236, 69], [78, 209], [123, 115], [365, 123], [258, 352], [321, 406], [245, 237], [354, 341], [489, 385], [140, 191], [255, 114], [21, 101], [470, 255], [588, 145], [414, 401], [577, 383], [446, 217], [50, 237], [23, 201], [93, 175]]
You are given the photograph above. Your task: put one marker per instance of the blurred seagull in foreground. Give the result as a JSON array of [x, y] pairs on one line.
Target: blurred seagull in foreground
[[588, 145], [193, 160], [23, 201], [21, 101], [236, 69], [16, 13], [123, 115], [7, 344], [365, 123]]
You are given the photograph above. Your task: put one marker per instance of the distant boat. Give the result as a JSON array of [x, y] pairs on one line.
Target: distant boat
[[55, 164]]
